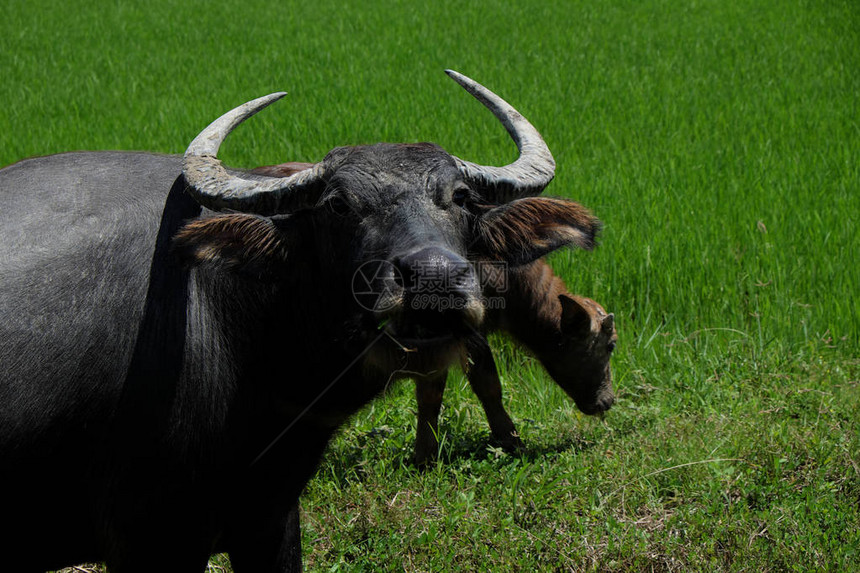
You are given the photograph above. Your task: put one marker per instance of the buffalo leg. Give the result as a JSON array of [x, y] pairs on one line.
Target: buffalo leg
[[428, 393], [173, 547], [273, 547], [485, 383]]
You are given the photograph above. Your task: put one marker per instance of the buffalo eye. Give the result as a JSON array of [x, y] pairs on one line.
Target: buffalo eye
[[611, 346], [459, 196], [338, 206]]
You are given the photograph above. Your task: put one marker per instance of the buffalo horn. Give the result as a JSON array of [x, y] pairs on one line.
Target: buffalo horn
[[533, 169], [217, 189]]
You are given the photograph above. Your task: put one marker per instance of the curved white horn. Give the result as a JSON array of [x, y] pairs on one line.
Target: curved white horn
[[533, 169], [217, 189]]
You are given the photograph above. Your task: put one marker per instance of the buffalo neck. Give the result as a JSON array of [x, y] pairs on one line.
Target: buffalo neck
[[532, 310]]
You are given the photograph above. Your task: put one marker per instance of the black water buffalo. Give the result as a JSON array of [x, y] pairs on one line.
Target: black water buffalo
[[179, 341]]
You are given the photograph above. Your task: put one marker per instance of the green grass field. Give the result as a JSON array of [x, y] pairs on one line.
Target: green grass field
[[718, 141]]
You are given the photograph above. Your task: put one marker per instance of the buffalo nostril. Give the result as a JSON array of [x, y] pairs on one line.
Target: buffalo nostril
[[439, 288], [597, 405], [606, 402]]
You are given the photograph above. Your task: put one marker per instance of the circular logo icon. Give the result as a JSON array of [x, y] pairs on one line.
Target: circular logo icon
[[374, 285]]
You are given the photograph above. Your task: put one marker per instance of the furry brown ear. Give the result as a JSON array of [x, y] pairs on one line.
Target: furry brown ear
[[524, 230], [235, 242], [575, 318], [608, 323]]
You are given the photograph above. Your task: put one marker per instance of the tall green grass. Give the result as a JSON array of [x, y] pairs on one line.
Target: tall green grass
[[718, 141]]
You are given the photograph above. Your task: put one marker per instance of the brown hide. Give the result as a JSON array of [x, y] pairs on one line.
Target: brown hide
[[572, 336]]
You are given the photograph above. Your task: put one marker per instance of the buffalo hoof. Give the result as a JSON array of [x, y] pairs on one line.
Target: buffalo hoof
[[511, 443]]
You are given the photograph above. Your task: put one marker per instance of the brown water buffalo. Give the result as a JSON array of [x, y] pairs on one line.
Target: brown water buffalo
[[572, 336]]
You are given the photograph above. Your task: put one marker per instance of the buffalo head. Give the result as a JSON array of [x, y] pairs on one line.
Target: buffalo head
[[402, 223], [579, 358]]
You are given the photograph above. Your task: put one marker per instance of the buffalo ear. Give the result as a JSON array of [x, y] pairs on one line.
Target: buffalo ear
[[608, 324], [575, 318], [524, 230], [246, 244]]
